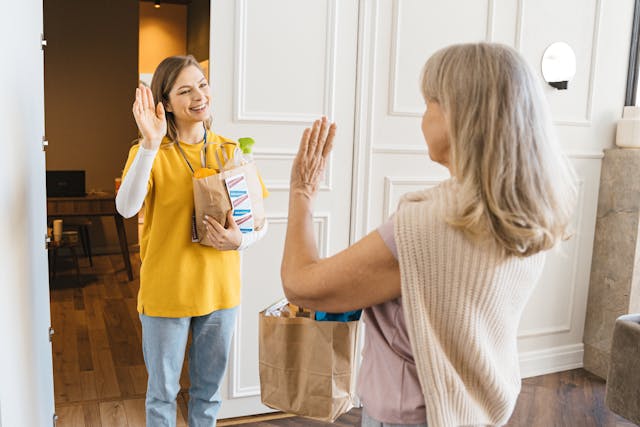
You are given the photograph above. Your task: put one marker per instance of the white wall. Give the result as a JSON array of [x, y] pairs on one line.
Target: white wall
[[26, 394]]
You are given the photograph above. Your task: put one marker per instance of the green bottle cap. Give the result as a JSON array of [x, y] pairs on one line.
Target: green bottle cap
[[246, 144]]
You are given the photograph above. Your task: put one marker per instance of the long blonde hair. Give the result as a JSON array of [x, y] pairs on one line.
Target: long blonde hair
[[164, 78], [515, 183]]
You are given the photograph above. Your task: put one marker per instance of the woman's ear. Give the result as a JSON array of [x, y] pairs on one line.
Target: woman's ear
[[167, 108]]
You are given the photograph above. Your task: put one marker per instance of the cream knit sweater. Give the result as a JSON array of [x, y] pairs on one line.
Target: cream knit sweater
[[462, 304]]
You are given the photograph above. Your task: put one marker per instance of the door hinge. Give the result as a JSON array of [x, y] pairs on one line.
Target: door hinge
[[45, 143], [43, 41], [51, 332], [55, 419], [47, 240]]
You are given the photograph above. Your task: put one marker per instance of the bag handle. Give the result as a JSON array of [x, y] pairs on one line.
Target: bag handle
[[222, 165]]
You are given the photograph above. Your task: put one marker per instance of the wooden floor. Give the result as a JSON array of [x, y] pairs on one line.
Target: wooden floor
[[100, 378]]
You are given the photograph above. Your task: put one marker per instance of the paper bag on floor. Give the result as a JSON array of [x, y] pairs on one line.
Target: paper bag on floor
[[307, 367]]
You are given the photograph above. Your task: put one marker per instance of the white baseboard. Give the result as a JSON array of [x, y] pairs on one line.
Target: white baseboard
[[555, 359]]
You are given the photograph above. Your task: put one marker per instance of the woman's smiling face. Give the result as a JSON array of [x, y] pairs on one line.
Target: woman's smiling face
[[190, 97]]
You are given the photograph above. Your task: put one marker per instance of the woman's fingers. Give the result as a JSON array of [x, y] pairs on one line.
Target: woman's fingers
[[150, 105], [231, 222], [136, 102], [213, 236], [304, 143], [149, 118], [316, 143], [213, 224], [322, 137], [313, 137], [143, 97], [160, 111], [329, 144], [326, 133], [223, 238]]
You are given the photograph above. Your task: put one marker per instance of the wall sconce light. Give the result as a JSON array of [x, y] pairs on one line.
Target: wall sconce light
[[558, 65], [156, 4]]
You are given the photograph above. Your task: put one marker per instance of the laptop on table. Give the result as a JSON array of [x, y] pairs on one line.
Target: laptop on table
[[66, 183]]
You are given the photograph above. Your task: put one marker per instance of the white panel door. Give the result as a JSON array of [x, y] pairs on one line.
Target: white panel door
[[277, 65], [26, 370], [396, 38]]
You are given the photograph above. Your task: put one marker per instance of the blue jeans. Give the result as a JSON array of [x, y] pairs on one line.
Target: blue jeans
[[164, 340]]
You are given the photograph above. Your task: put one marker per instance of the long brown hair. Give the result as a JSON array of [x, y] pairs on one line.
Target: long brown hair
[[163, 80], [515, 183]]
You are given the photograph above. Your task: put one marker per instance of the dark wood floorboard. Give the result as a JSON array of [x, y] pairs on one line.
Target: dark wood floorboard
[[100, 378]]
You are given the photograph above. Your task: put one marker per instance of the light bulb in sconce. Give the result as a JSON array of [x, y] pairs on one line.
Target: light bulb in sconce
[[558, 65], [156, 4]]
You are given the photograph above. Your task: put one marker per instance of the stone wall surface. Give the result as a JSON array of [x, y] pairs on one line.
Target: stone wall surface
[[615, 273]]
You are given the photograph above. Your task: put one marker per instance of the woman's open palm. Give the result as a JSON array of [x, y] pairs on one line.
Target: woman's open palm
[[308, 166], [150, 118]]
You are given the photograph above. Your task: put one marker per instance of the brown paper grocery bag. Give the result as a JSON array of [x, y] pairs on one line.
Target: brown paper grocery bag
[[211, 198], [307, 367]]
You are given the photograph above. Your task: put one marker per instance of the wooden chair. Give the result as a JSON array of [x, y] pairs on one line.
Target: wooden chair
[[54, 247], [81, 225]]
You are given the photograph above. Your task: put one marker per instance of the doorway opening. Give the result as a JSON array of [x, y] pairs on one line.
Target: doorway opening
[[96, 54]]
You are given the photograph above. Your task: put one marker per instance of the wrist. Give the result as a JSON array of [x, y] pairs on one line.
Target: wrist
[[240, 243], [150, 144], [303, 191], [300, 204]]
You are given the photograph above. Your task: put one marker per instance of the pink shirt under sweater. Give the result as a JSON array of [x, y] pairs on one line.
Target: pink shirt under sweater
[[388, 383]]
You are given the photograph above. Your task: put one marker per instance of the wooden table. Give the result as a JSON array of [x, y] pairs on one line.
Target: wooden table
[[93, 205]]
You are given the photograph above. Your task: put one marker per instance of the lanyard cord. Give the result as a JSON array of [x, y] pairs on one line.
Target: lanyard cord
[[203, 159]]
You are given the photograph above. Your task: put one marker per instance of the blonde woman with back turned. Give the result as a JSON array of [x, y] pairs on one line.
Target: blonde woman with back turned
[[444, 281]]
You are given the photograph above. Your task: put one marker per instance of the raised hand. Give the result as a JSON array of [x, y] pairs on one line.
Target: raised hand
[[150, 119], [309, 164]]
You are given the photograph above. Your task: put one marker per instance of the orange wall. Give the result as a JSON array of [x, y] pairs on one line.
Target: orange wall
[[163, 32]]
